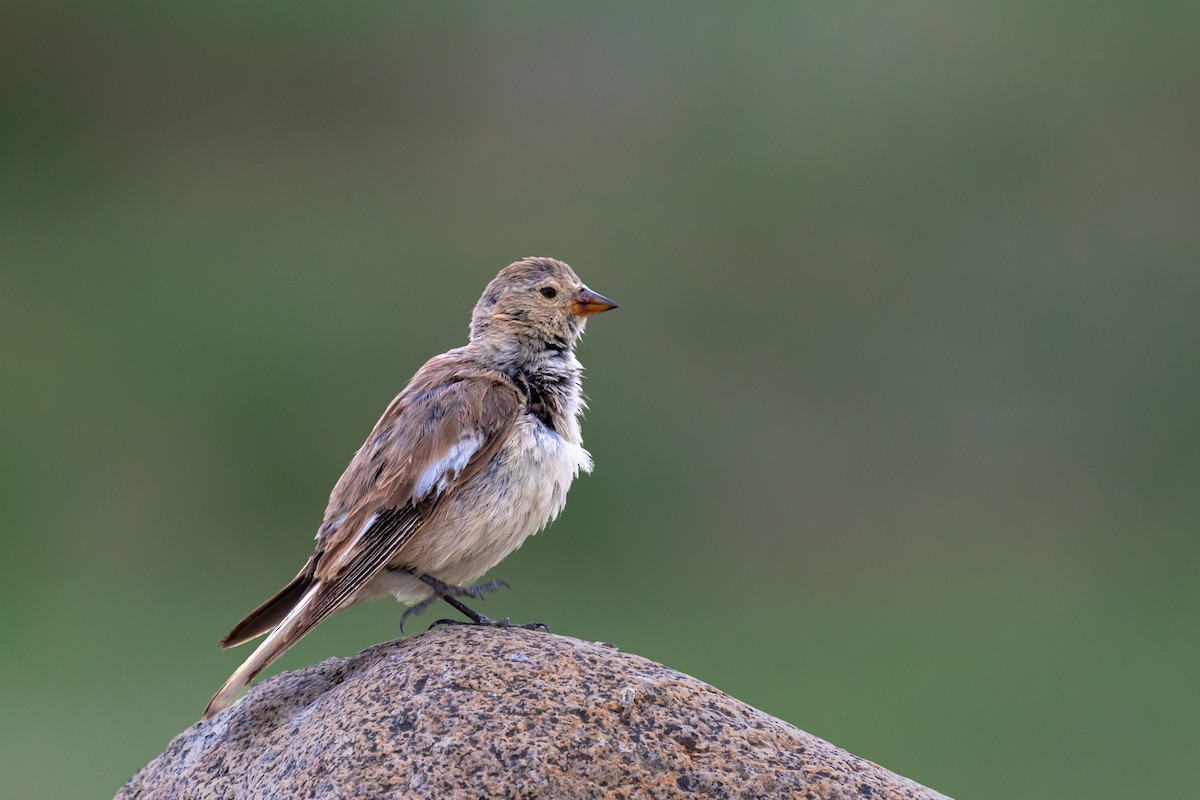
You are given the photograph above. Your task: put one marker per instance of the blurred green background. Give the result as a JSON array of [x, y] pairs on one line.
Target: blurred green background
[[896, 429]]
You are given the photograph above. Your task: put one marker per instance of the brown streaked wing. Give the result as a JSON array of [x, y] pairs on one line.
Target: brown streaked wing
[[424, 430]]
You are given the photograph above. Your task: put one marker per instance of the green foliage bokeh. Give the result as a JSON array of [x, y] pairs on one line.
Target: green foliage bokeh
[[896, 429]]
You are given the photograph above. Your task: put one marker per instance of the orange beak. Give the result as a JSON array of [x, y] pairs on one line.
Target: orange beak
[[586, 302]]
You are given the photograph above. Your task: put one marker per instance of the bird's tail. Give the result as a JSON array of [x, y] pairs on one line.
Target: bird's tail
[[289, 627], [271, 612]]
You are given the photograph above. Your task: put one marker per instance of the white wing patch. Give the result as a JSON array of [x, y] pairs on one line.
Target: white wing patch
[[439, 474], [351, 549], [331, 527]]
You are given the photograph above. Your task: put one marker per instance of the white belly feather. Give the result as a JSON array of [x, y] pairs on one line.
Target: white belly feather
[[540, 466], [523, 489]]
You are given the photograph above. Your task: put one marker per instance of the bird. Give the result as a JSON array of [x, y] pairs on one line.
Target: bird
[[474, 455]]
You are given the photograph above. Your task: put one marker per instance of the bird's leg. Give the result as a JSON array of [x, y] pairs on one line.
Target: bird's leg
[[475, 617], [450, 594]]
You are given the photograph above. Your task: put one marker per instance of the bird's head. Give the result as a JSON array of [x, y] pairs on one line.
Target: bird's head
[[535, 304]]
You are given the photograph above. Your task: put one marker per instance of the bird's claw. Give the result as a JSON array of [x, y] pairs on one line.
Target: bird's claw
[[491, 623], [417, 610], [441, 589], [478, 590], [481, 621]]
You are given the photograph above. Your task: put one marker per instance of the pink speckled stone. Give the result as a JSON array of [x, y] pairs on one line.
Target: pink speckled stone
[[468, 712]]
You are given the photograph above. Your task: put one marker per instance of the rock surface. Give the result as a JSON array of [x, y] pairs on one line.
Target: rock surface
[[478, 712]]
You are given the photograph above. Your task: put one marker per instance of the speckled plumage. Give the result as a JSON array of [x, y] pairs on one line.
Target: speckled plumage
[[473, 456]]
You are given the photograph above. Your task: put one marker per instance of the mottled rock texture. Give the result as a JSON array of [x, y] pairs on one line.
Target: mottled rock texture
[[469, 712]]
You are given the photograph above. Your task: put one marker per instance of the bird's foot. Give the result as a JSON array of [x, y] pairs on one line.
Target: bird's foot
[[447, 592], [503, 623], [417, 610]]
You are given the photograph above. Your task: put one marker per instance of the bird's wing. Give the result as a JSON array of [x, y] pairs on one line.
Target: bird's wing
[[429, 442], [441, 432]]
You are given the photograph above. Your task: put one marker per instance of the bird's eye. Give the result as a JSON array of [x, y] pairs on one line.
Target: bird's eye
[[548, 292]]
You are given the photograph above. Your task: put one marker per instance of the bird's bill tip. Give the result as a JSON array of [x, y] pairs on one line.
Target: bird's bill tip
[[587, 302]]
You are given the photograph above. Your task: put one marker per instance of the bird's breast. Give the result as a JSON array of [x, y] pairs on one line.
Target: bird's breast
[[541, 464], [516, 495]]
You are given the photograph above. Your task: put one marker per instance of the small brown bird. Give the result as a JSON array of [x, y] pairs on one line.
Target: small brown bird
[[475, 455]]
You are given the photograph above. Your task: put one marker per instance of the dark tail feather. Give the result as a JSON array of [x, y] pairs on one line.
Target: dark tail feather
[[297, 622], [270, 613]]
